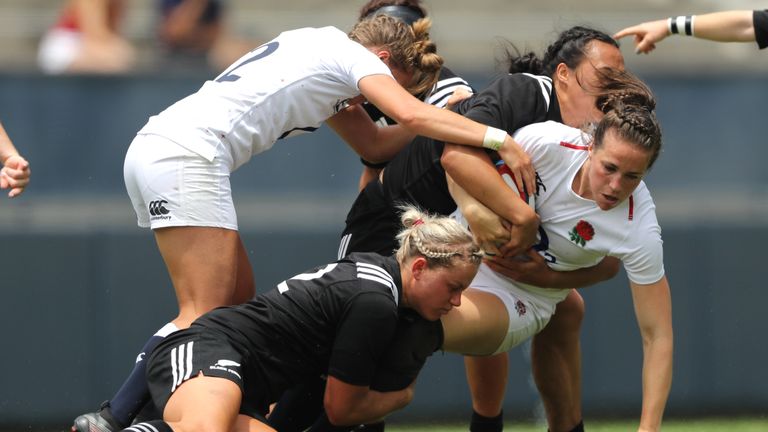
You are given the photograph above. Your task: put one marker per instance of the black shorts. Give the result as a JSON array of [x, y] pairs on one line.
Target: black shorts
[[372, 223], [186, 353]]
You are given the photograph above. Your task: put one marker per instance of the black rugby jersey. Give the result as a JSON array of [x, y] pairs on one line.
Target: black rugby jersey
[[510, 102], [336, 319]]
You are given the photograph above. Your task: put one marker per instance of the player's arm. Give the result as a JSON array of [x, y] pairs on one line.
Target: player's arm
[[347, 404], [488, 229], [653, 308], [727, 26], [15, 171], [535, 271], [472, 171], [373, 143], [423, 119], [362, 337]]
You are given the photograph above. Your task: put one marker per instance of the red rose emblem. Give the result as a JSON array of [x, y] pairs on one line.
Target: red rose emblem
[[582, 233], [585, 230]]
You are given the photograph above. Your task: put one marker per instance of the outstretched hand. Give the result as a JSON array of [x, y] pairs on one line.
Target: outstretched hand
[[646, 35]]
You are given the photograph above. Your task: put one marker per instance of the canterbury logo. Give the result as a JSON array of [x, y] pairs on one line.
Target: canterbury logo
[[157, 208]]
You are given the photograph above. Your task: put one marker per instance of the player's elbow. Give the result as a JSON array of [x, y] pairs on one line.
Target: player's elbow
[[337, 414], [450, 158]]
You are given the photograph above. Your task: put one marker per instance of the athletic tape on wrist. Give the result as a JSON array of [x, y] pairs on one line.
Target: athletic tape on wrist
[[494, 138]]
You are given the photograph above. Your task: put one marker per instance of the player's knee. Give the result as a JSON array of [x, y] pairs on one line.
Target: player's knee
[[570, 312]]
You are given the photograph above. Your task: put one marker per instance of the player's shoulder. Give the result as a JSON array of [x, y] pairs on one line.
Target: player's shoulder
[[554, 133], [528, 80], [376, 271], [642, 201]]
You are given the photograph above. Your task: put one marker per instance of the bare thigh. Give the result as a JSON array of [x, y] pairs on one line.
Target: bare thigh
[[204, 403], [203, 265], [478, 326]]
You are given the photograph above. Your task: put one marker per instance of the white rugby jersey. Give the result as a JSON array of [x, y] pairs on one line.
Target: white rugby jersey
[[575, 233], [287, 86]]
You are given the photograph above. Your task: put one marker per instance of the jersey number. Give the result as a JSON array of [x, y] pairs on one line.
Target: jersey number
[[283, 286], [259, 53], [542, 246]]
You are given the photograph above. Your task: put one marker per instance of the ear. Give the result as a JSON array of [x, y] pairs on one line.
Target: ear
[[562, 73], [384, 55], [418, 266]]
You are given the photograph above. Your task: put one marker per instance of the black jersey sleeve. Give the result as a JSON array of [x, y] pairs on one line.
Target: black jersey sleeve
[[760, 20], [510, 102], [362, 336]]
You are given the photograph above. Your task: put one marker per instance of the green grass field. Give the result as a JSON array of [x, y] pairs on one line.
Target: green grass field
[[708, 425]]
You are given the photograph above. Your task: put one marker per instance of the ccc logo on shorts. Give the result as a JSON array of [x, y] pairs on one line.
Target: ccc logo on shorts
[[157, 208]]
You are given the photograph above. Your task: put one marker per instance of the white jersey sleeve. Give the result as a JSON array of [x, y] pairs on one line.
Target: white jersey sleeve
[[289, 85], [642, 251]]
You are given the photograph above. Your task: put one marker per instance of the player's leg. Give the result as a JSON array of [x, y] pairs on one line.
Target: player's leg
[[249, 424], [495, 315], [479, 326], [487, 379], [208, 265], [203, 264], [556, 364], [204, 403]]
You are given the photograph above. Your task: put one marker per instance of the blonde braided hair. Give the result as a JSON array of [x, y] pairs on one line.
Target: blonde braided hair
[[439, 239]]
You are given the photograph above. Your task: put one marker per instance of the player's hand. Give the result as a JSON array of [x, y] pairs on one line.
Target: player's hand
[[529, 268], [519, 163], [457, 96], [521, 238], [646, 35], [15, 175], [490, 230]]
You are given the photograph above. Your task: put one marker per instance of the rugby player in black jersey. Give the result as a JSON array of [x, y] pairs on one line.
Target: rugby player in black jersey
[[338, 320]]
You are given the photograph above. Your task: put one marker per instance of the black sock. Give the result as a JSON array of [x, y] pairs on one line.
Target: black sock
[[147, 413], [481, 423], [134, 393], [578, 428], [150, 426]]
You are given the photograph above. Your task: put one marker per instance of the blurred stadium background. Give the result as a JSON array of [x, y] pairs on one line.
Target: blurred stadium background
[[76, 272]]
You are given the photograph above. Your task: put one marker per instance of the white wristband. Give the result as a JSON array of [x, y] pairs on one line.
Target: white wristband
[[494, 138], [682, 24]]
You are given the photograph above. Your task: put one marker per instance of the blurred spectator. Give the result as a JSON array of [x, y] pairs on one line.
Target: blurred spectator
[[195, 31], [85, 39]]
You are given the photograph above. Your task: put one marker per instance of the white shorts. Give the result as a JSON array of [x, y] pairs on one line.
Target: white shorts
[[172, 186], [528, 311], [58, 49]]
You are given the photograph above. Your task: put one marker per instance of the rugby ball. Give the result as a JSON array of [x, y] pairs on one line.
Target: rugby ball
[[509, 179]]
